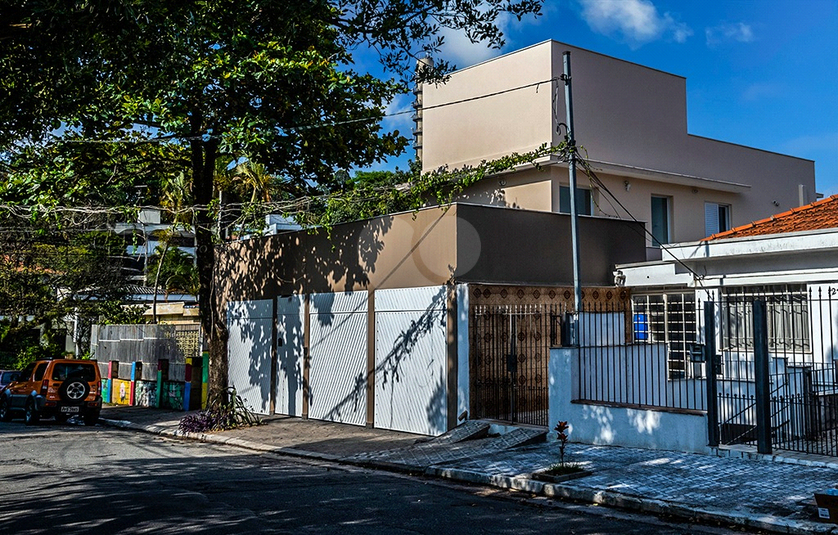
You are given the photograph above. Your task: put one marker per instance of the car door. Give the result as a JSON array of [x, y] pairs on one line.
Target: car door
[[21, 388]]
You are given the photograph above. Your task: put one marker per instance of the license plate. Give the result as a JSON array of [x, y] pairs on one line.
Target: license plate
[[69, 409]]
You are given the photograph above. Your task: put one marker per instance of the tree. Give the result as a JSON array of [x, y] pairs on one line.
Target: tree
[[269, 80]]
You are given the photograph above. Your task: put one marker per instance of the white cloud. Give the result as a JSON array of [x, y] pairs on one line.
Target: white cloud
[[459, 50], [735, 31], [763, 90], [403, 122], [826, 142], [637, 21]]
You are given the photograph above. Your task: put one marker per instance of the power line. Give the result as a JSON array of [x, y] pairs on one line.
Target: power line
[[207, 136]]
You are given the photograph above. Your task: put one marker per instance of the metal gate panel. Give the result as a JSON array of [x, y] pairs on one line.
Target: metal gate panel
[[510, 352], [338, 357], [290, 343], [411, 360], [249, 352]]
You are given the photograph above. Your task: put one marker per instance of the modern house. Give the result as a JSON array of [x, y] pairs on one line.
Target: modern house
[[631, 122], [411, 321]]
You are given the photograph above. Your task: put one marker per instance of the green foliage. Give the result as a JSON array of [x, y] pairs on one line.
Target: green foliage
[[269, 81], [177, 272], [31, 353], [116, 313]]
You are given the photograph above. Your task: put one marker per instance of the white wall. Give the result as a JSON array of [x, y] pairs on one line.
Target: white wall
[[601, 424]]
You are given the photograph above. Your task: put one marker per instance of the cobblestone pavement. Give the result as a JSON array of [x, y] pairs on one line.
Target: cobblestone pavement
[[757, 493]]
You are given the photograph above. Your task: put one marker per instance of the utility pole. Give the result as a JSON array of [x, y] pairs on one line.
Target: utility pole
[[574, 213]]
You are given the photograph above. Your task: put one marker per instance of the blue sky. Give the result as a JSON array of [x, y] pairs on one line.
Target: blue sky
[[761, 73]]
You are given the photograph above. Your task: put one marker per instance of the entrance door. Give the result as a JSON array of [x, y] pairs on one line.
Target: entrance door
[[510, 350]]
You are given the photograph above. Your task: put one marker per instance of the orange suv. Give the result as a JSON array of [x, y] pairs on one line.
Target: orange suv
[[58, 388]]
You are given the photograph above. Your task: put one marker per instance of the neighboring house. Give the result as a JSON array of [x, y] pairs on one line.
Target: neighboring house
[[707, 289], [145, 235], [631, 121], [411, 321]]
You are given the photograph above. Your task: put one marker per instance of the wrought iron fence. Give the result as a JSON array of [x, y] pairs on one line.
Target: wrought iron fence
[[801, 391], [641, 357], [510, 352]]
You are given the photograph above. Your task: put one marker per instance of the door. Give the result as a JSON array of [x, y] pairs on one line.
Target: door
[[338, 357], [249, 343], [510, 353]]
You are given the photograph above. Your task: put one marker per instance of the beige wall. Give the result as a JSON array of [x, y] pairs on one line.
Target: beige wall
[[631, 121], [431, 247], [472, 131]]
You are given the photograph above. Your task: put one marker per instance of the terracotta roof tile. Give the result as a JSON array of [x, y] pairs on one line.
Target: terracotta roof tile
[[822, 214]]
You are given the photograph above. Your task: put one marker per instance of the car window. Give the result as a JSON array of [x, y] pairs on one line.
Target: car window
[[27, 372], [8, 377], [39, 371], [80, 370]]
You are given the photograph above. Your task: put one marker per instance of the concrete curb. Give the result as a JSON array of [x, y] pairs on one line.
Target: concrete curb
[[565, 491]]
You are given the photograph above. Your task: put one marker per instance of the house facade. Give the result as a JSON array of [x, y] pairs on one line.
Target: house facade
[[631, 122], [412, 321], [789, 263]]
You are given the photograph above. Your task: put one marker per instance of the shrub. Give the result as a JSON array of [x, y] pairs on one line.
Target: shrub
[[225, 410]]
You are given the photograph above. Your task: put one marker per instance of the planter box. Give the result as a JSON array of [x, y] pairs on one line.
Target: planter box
[[543, 475]]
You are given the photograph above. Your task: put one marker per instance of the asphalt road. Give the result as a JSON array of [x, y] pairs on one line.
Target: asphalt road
[[75, 479]]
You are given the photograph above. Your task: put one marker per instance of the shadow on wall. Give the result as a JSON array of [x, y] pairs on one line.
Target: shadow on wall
[[259, 270], [389, 368]]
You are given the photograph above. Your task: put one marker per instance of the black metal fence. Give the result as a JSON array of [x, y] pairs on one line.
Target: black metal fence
[[776, 383], [641, 357]]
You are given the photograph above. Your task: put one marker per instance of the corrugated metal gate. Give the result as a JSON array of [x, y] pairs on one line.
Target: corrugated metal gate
[[509, 359], [250, 329], [338, 357], [411, 360], [290, 349]]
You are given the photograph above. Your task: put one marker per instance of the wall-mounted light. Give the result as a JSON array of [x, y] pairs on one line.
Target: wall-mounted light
[[502, 182], [695, 190], [775, 203], [627, 184]]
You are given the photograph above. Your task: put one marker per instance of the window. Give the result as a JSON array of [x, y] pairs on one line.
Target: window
[[660, 221], [584, 200], [787, 308], [669, 319], [39, 371], [716, 218]]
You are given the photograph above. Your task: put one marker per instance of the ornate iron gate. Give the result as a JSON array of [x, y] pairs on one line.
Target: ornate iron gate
[[510, 351]]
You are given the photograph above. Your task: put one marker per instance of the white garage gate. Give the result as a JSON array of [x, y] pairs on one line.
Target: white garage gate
[[411, 360], [290, 343], [249, 351], [338, 357]]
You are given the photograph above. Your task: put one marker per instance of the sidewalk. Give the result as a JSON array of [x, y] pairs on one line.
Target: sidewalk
[[775, 495]]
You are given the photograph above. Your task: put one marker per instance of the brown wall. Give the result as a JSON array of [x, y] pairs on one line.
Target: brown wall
[[466, 243], [497, 245]]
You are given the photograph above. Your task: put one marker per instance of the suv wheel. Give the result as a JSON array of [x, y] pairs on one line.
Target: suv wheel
[[5, 410], [74, 390], [31, 416]]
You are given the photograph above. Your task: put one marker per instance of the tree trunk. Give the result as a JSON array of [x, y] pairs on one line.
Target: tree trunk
[[212, 324]]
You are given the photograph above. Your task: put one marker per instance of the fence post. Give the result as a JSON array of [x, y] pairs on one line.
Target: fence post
[[761, 376], [710, 367]]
